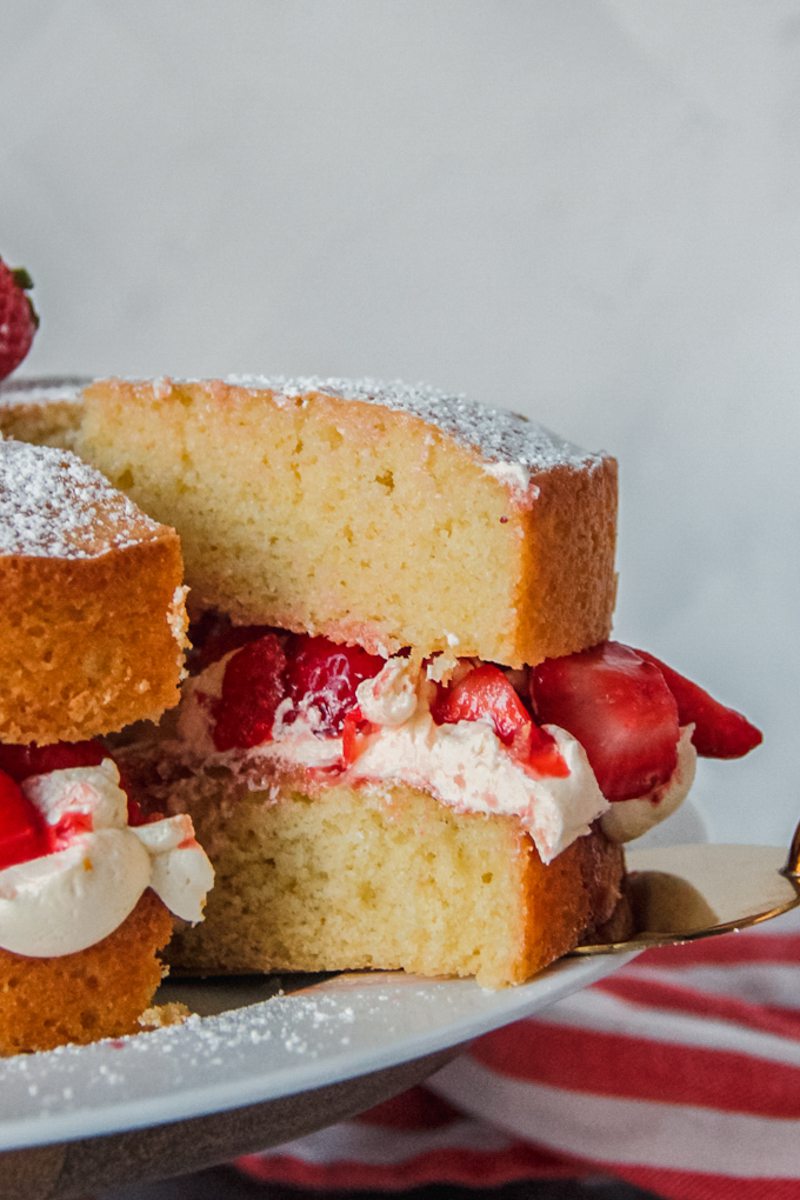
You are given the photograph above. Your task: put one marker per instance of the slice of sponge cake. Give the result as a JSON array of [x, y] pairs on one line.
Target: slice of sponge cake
[[92, 622], [371, 520]]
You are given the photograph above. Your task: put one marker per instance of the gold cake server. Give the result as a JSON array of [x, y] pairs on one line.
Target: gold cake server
[[681, 893]]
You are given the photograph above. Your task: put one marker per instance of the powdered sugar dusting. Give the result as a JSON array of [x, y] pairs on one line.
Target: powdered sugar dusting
[[513, 447], [53, 505]]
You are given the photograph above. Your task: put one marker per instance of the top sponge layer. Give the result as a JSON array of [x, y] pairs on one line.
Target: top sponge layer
[[382, 514]]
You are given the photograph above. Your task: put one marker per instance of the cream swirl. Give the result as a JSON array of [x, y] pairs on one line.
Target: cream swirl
[[66, 901]]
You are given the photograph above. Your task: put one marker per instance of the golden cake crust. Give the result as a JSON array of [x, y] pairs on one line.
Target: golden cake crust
[[443, 525], [566, 588], [576, 894], [92, 623], [98, 992]]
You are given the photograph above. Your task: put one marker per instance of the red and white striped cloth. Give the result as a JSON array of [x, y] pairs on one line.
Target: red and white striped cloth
[[680, 1074]]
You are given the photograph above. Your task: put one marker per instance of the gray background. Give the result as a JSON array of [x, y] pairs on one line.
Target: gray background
[[586, 211]]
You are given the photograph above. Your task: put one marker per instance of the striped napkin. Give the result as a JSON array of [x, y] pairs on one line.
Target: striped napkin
[[679, 1074]]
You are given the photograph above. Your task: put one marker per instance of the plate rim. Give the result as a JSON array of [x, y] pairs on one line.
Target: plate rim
[[266, 1084]]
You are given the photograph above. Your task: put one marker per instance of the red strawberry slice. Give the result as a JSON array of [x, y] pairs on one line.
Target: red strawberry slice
[[21, 761], [356, 732], [22, 832], [545, 758], [252, 688], [323, 676], [719, 732], [213, 635], [621, 711], [18, 319], [485, 694]]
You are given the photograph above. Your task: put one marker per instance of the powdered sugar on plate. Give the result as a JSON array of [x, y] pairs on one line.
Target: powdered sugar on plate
[[52, 505]]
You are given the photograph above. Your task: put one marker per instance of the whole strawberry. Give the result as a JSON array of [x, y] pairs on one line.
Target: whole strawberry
[[18, 318]]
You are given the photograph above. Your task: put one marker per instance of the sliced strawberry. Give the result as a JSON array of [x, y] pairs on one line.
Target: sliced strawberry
[[545, 758], [621, 711], [486, 694], [22, 831], [719, 732], [252, 688], [356, 732], [213, 635], [21, 761], [323, 676]]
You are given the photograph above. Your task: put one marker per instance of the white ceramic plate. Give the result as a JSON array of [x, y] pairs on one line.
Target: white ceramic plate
[[337, 1028]]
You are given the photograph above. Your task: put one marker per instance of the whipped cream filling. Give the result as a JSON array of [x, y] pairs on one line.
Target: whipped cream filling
[[465, 765], [468, 768], [67, 901], [629, 819]]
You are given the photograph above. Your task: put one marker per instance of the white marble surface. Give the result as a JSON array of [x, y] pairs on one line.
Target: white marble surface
[[587, 210]]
